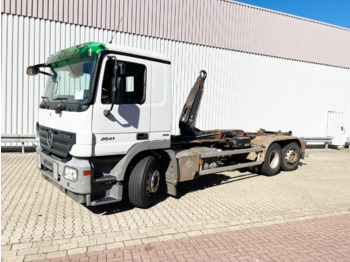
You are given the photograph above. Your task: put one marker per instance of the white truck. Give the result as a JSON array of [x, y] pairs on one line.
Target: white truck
[[105, 129]]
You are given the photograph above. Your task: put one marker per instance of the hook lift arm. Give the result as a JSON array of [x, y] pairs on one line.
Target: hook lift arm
[[190, 110]]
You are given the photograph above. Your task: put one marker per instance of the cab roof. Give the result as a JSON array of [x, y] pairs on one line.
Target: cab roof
[[90, 51], [137, 52]]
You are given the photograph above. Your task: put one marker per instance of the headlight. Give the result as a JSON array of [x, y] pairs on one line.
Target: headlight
[[205, 166], [70, 174]]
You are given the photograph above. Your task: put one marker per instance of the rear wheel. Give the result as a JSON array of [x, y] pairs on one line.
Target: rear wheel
[[144, 182], [272, 163], [290, 156]]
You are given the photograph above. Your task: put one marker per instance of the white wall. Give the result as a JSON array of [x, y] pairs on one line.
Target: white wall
[[241, 91]]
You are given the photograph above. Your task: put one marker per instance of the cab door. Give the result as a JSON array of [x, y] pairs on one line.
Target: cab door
[[128, 122]]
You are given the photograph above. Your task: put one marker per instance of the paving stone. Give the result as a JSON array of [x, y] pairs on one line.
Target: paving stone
[[27, 251], [21, 246], [5, 248], [8, 253], [68, 246], [132, 242], [96, 248], [35, 257], [56, 254], [75, 251], [13, 259], [115, 245], [47, 249]]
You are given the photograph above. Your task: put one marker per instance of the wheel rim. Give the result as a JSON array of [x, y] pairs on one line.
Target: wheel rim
[[153, 182], [274, 159], [291, 156]]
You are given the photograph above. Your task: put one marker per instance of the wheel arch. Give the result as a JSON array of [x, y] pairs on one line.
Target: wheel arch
[[160, 154], [123, 168], [283, 143]]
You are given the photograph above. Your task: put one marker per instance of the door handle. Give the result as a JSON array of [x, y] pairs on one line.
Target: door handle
[[142, 136]]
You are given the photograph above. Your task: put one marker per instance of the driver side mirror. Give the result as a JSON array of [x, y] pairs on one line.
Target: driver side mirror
[[33, 70], [116, 84]]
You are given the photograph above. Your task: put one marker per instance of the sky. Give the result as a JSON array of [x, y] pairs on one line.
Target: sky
[[336, 12]]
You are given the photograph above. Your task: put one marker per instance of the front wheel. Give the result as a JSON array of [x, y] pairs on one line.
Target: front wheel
[[272, 162], [290, 156], [144, 182]]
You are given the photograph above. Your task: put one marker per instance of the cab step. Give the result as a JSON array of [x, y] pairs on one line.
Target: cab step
[[103, 201], [105, 178]]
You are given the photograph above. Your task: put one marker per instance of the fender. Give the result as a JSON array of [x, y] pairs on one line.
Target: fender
[[266, 141]]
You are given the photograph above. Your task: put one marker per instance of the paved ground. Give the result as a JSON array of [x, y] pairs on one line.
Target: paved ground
[[320, 239], [39, 221]]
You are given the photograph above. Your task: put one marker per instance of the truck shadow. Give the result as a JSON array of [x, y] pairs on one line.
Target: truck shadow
[[209, 181], [111, 209], [302, 164], [201, 183]]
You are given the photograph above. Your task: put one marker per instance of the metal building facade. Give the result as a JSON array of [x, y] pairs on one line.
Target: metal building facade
[[265, 69]]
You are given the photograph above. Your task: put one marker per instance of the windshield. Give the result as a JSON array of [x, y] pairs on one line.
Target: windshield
[[70, 83]]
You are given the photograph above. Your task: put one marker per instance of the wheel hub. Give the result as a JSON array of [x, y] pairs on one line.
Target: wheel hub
[[153, 182], [274, 159], [291, 156]]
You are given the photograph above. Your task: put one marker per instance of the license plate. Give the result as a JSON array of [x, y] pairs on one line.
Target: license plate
[[48, 164]]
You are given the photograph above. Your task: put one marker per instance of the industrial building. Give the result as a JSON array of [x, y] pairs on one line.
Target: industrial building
[[266, 69]]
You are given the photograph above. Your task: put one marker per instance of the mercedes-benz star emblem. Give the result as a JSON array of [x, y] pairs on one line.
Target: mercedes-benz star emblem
[[50, 139]]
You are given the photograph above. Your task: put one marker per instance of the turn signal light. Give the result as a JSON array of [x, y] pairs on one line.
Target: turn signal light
[[87, 173]]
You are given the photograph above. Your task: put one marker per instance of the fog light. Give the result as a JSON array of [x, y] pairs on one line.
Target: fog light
[[70, 174]]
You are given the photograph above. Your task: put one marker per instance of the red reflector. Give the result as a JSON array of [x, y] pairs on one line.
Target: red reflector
[[87, 173]]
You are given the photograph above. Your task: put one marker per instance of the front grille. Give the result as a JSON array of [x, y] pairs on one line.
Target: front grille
[[62, 141]]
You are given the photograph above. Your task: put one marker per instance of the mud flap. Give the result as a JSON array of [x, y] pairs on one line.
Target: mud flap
[[171, 174]]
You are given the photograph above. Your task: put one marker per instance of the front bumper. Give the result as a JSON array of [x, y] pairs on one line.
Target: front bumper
[[52, 169], [92, 192]]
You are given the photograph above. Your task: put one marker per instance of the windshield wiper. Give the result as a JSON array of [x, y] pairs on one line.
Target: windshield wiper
[[59, 98], [46, 104], [59, 108]]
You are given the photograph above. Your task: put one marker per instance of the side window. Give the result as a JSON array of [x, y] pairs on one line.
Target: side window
[[129, 86], [132, 83]]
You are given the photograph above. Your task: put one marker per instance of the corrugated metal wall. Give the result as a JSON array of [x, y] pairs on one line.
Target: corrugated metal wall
[[242, 90], [216, 23]]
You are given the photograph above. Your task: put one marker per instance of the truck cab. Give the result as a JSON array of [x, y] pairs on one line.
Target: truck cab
[[74, 129]]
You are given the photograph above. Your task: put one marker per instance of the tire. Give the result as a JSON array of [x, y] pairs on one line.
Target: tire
[[273, 159], [290, 156], [144, 182]]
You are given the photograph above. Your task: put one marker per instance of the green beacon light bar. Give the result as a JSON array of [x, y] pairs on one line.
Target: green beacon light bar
[[84, 52]]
